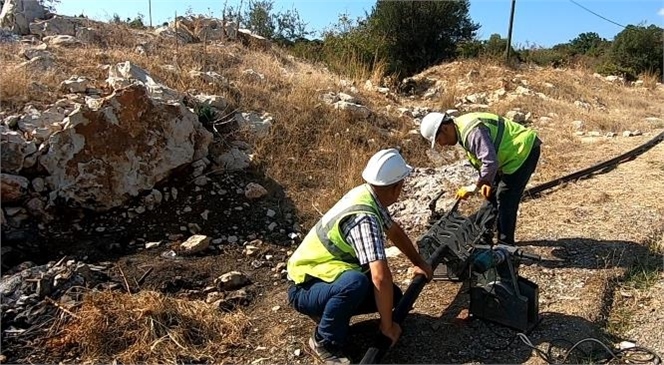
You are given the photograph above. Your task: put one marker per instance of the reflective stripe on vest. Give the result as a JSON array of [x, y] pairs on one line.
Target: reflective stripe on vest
[[324, 252], [322, 231], [511, 140]]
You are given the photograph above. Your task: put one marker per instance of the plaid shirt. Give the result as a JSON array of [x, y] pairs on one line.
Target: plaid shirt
[[362, 231]]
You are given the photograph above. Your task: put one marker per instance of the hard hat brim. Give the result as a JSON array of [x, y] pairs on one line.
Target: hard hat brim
[[433, 138]]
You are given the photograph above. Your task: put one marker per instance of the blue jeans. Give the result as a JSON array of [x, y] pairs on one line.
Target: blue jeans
[[336, 302]]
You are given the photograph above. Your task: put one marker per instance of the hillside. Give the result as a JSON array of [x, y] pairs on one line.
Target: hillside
[[154, 184]]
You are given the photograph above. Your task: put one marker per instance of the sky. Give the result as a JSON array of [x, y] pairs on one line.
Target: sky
[[536, 22]]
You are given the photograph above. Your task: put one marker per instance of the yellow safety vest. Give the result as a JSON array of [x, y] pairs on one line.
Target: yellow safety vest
[[324, 253], [512, 141]]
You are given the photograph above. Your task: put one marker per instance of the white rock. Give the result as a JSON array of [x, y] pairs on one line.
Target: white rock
[[578, 124], [195, 244], [215, 101], [75, 84], [258, 124], [250, 250], [38, 184], [149, 245], [201, 181], [254, 191], [272, 226], [234, 160], [16, 15], [347, 98], [126, 73], [61, 40], [516, 116], [90, 172], [232, 280], [355, 108], [14, 149], [392, 251], [271, 213], [253, 75]]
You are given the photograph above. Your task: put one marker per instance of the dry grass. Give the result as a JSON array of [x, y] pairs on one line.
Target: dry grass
[[610, 107], [317, 153], [150, 328]]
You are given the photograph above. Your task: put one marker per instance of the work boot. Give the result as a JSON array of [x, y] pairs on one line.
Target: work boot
[[326, 353]]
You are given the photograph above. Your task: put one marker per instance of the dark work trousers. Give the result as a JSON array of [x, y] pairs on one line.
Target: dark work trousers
[[336, 302], [505, 203]]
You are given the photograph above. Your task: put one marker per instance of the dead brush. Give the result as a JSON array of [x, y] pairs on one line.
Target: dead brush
[[149, 327]]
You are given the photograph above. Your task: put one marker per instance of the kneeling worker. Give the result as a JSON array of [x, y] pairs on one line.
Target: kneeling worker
[[340, 269]]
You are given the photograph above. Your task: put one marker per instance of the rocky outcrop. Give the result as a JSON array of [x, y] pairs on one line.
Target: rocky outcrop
[[14, 150], [17, 15], [132, 141], [13, 188], [126, 73]]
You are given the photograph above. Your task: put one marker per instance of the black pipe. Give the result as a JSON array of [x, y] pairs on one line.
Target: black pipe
[[382, 344], [628, 156]]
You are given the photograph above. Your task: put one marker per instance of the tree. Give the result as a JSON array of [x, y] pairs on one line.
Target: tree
[[589, 43], [289, 26], [137, 22], [638, 49], [259, 19], [413, 35]]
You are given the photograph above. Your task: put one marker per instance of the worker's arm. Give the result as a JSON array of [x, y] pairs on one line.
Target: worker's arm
[[384, 295], [397, 235], [481, 145]]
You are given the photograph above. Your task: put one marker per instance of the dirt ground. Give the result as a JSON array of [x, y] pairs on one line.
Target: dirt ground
[[588, 233]]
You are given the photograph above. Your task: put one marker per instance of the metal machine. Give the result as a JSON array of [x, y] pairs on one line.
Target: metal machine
[[497, 293]]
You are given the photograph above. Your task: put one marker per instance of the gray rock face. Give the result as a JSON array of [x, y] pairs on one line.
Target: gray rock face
[[13, 188], [14, 149], [16, 15]]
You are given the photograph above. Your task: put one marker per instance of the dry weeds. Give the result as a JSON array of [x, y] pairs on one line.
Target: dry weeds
[[149, 327]]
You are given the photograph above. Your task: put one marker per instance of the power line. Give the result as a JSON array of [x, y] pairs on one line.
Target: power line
[[590, 11]]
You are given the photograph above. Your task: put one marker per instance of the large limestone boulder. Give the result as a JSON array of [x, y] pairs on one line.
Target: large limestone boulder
[[14, 149], [58, 25], [126, 73], [38, 125], [181, 34], [16, 15], [104, 156]]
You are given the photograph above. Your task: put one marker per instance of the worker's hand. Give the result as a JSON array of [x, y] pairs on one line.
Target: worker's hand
[[486, 191], [392, 332], [465, 191], [424, 269]]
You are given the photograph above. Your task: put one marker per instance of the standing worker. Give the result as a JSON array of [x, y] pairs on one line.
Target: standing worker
[[340, 269], [504, 152]]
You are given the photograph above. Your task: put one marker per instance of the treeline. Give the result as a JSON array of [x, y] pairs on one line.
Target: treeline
[[634, 51], [401, 38]]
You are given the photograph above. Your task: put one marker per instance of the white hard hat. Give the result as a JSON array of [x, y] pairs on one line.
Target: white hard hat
[[430, 124], [386, 167]]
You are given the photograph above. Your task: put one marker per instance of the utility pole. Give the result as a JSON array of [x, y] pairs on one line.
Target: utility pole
[[509, 32], [150, 11]]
